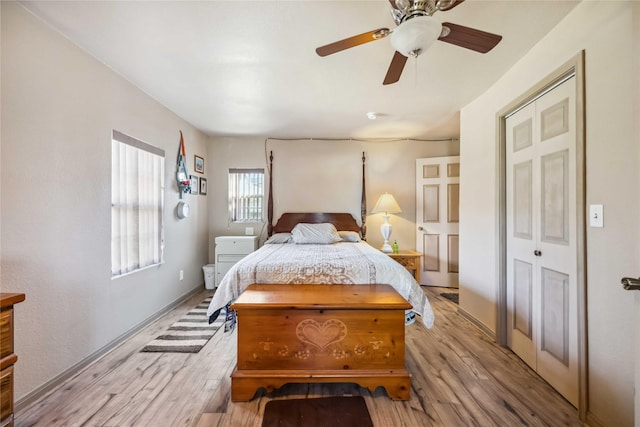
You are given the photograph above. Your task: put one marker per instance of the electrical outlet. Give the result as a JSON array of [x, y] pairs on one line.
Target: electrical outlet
[[181, 274], [248, 231]]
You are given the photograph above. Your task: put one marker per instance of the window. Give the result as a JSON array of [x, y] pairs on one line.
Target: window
[[246, 195], [137, 204]]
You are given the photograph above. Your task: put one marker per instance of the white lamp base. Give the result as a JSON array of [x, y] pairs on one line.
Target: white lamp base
[[386, 229]]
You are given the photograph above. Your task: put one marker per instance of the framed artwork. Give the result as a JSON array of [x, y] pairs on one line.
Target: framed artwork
[[194, 184], [198, 164], [203, 186]]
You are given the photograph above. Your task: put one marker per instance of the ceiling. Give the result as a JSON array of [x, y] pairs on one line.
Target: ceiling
[[250, 68]]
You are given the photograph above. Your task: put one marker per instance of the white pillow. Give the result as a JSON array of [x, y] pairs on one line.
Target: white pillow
[[279, 238], [349, 236], [323, 234]]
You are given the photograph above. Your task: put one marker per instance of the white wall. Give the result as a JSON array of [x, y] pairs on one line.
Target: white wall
[[604, 31], [59, 106], [326, 176]]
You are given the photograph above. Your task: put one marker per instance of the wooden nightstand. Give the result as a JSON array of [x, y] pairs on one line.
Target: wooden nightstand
[[410, 259]]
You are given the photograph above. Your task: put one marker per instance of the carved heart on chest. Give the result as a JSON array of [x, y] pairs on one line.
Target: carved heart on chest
[[321, 335]]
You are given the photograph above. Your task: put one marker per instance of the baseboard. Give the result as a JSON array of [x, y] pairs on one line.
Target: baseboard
[[50, 385], [592, 421], [483, 328]]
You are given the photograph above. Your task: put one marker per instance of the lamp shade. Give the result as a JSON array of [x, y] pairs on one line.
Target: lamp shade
[[416, 35], [386, 204]]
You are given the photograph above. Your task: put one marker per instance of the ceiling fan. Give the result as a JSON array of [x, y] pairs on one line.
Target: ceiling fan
[[417, 31]]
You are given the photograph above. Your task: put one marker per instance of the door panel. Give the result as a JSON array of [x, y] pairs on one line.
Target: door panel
[[523, 303], [521, 228], [555, 198], [522, 210], [554, 336], [437, 217], [431, 249], [431, 203], [453, 247], [453, 200]]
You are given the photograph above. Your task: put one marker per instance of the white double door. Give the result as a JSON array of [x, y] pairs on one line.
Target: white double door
[[542, 257]]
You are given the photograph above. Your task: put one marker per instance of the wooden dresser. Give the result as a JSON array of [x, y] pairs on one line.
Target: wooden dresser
[[7, 356]]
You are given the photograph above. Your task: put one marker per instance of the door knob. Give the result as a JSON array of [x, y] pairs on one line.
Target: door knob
[[631, 284], [420, 228], [537, 252]]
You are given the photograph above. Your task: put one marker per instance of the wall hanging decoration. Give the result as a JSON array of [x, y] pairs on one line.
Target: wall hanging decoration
[[203, 186], [183, 209], [182, 177], [198, 164], [194, 184]]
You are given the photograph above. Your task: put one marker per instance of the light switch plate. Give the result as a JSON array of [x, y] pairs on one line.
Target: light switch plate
[[248, 231], [596, 216]]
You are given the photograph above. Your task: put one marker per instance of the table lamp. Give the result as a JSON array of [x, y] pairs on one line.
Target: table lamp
[[387, 205]]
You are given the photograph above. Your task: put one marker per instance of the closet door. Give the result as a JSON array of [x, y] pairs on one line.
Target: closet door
[[541, 237]]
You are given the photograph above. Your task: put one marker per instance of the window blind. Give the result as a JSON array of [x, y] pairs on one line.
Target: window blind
[[246, 195], [137, 204]]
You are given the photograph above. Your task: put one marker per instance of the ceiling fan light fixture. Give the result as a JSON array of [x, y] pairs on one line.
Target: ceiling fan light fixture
[[416, 35]]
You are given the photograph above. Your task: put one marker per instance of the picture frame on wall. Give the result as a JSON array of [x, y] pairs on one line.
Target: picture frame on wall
[[203, 186], [198, 164], [194, 184]]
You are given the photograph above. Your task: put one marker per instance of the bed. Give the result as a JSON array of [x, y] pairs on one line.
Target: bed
[[316, 303], [347, 261]]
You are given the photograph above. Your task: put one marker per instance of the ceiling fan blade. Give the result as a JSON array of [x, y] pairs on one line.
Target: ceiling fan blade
[[470, 38], [352, 41], [395, 68]]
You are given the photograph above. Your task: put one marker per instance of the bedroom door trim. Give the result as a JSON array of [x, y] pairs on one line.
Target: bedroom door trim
[[573, 67]]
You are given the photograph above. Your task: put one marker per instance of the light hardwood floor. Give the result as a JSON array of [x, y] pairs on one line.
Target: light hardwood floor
[[459, 378]]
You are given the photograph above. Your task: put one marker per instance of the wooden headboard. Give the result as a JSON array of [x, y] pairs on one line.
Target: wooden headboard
[[342, 221]]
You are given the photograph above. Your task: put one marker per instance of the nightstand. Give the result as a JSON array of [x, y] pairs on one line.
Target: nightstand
[[410, 259], [231, 249]]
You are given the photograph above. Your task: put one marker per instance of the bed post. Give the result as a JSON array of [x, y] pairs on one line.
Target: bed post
[[270, 200], [363, 204]]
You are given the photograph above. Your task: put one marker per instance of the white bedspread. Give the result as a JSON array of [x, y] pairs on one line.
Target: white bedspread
[[338, 263]]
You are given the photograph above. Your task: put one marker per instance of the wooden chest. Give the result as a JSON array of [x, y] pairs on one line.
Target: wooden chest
[[320, 333]]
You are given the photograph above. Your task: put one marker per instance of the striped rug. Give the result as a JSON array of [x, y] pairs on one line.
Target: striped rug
[[187, 335]]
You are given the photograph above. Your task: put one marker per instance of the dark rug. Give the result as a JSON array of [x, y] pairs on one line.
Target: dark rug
[[451, 296], [319, 412], [189, 334]]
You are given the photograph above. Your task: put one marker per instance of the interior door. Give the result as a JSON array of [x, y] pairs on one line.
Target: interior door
[[542, 263], [437, 213]]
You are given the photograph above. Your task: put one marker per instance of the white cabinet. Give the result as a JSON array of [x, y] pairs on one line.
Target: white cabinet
[[231, 249]]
